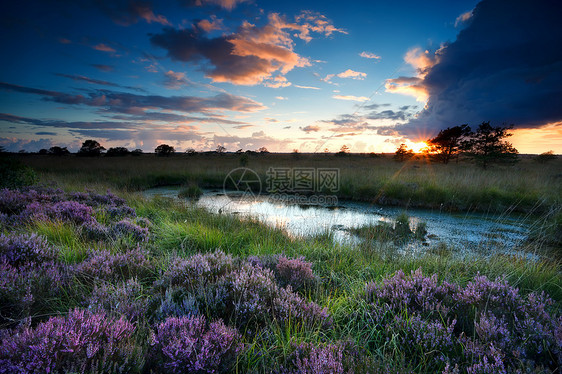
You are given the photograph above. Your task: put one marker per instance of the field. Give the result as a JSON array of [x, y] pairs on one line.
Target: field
[[97, 281]]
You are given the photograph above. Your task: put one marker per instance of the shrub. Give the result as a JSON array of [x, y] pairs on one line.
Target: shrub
[[14, 174], [189, 344], [17, 250], [105, 266], [486, 326], [127, 229], [81, 342], [339, 357], [295, 272], [123, 299]]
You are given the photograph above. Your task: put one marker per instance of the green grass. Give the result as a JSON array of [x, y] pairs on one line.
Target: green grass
[[524, 187]]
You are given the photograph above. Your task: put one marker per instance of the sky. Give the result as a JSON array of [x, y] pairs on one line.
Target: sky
[[285, 75]]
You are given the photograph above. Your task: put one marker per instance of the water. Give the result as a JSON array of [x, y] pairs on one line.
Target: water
[[464, 233]]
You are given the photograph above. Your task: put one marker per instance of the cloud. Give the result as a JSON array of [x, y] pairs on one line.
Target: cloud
[[226, 4], [104, 68], [350, 97], [310, 128], [504, 67], [134, 104], [15, 144], [129, 12], [346, 74], [208, 26], [307, 87], [82, 78], [369, 55], [461, 19], [411, 86], [103, 47], [252, 55], [281, 98], [175, 80], [399, 115]]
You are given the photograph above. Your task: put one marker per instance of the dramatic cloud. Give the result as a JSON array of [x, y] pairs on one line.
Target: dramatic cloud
[[407, 86], [369, 55], [127, 103], [463, 18], [504, 67], [350, 97], [251, 56], [128, 12]]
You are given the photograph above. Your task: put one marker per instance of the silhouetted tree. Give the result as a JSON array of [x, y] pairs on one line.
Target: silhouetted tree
[[403, 153], [191, 152], [117, 152], [164, 150], [43, 151], [90, 148], [136, 152], [344, 150], [487, 145], [220, 149], [263, 150], [58, 151], [545, 157], [448, 143]]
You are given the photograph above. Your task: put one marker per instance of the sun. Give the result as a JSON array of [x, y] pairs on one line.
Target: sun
[[417, 147]]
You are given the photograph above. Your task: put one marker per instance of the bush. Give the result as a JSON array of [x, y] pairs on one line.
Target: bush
[[30, 277], [14, 174], [81, 342], [190, 345], [105, 266], [125, 299], [486, 326]]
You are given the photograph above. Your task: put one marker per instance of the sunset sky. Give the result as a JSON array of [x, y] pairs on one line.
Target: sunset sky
[[306, 75]]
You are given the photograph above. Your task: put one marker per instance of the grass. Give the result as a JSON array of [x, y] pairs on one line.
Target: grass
[[416, 183], [179, 229]]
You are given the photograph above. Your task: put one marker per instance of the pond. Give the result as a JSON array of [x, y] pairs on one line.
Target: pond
[[465, 233]]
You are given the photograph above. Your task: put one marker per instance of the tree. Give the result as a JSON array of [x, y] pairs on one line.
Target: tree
[[164, 150], [263, 150], [191, 152], [117, 152], [487, 145], [90, 148], [136, 152], [344, 150], [545, 157], [448, 143], [58, 151], [220, 149], [403, 153]]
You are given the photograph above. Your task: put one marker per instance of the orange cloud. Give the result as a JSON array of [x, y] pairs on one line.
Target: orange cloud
[[209, 26], [410, 86], [254, 54]]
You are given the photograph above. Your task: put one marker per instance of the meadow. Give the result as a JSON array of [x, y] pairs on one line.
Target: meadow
[[94, 281]]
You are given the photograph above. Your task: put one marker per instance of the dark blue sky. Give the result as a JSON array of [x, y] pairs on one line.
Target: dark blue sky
[[281, 74]]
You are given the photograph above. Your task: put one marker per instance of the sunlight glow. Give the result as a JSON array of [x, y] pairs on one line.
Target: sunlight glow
[[418, 147]]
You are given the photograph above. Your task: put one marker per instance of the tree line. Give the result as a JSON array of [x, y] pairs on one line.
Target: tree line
[[485, 146]]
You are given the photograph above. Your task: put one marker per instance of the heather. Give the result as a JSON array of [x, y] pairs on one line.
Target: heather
[[96, 282]]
